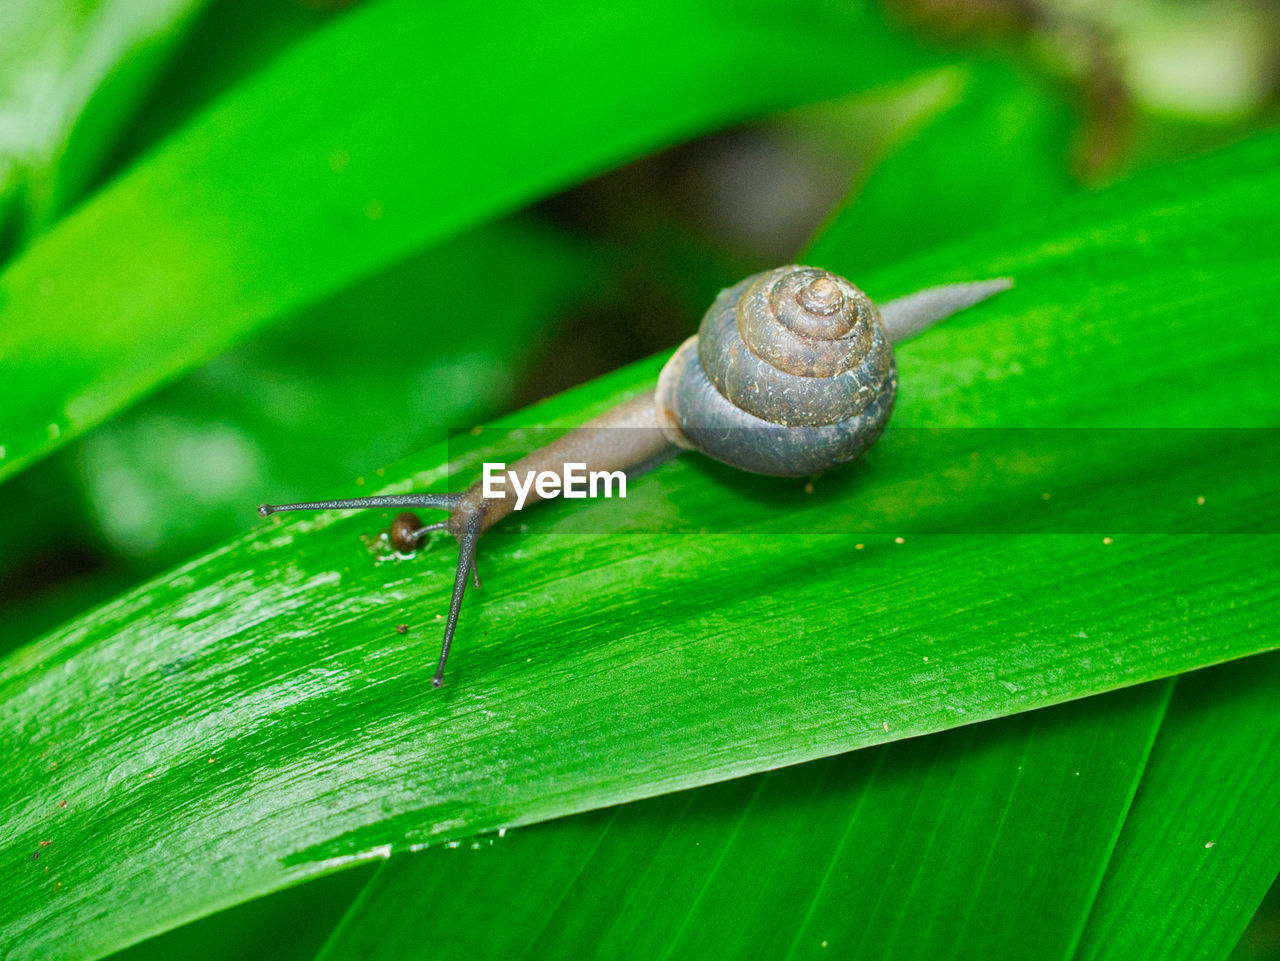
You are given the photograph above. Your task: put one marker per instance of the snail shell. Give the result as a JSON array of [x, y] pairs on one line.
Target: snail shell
[[791, 374]]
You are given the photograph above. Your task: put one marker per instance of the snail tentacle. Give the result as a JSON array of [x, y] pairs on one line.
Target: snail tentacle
[[467, 539], [466, 522], [418, 536], [443, 501]]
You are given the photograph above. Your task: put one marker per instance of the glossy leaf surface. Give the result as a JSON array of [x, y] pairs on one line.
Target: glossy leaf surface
[[988, 841], [898, 852]]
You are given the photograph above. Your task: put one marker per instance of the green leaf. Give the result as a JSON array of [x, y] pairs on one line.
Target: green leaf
[[291, 925], [988, 841], [200, 729], [983, 842], [994, 150], [1200, 847], [230, 41], [71, 73], [383, 132], [1259, 941], [738, 870]]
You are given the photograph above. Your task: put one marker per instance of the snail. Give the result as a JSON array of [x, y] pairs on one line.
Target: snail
[[791, 373]]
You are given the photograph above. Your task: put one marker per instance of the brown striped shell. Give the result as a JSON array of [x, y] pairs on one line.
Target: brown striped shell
[[791, 373]]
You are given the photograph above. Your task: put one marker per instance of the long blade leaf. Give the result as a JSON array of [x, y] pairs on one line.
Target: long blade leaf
[[70, 75], [1200, 848], [984, 842]]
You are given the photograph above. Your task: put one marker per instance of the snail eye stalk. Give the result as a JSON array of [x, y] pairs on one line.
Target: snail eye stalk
[[443, 501], [409, 535]]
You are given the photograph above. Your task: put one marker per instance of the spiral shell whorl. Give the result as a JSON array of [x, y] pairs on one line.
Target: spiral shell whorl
[[805, 321], [791, 373]]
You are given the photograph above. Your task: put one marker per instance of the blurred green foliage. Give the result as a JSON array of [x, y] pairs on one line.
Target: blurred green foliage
[[245, 245]]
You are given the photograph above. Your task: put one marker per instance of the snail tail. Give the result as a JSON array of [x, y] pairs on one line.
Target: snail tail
[[908, 316]]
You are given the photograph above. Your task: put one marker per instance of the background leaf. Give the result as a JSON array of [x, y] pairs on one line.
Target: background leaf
[[988, 841], [70, 75], [903, 851], [1199, 849], [351, 174], [227, 694], [993, 150], [320, 397]]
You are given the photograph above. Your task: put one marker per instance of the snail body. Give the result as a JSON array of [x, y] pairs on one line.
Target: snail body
[[791, 373]]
